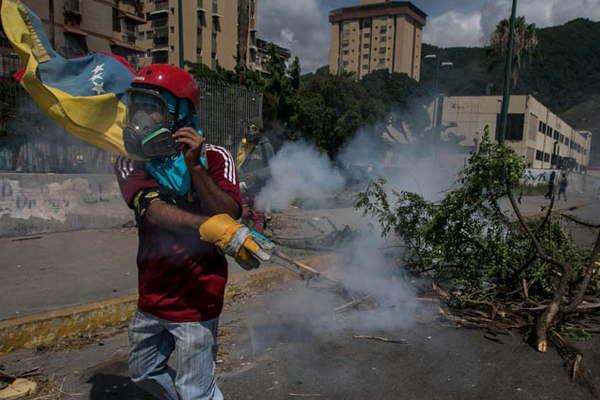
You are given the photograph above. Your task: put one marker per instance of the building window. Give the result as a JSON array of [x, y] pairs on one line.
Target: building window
[[382, 61], [346, 52], [539, 155], [75, 46], [345, 43], [382, 50], [346, 63], [557, 135], [546, 157], [365, 67], [516, 123], [382, 39], [116, 21], [549, 131], [366, 46], [365, 56], [367, 35], [541, 127]]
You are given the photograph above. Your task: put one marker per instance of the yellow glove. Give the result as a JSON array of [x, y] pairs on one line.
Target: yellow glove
[[233, 239]]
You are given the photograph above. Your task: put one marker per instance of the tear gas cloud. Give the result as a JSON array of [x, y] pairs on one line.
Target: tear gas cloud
[[364, 268], [298, 171], [308, 313]]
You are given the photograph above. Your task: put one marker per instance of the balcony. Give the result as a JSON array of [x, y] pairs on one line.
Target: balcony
[[161, 7], [129, 36], [160, 23], [133, 18], [161, 36]]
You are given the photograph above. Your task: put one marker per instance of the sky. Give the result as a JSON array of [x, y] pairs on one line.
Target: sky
[[303, 26]]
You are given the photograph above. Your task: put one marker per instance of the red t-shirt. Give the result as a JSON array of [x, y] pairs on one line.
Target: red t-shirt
[[180, 277]]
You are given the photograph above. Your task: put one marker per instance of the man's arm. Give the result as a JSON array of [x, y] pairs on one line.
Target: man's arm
[[214, 199], [172, 218]]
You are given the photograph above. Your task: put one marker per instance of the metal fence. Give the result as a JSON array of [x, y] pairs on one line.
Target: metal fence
[[224, 111], [31, 142]]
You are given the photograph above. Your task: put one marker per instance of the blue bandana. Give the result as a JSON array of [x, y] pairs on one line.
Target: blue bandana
[[172, 172]]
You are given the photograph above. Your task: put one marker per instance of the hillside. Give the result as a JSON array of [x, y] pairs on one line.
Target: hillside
[[564, 74]]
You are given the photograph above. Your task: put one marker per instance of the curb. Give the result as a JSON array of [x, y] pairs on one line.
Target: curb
[[49, 327]]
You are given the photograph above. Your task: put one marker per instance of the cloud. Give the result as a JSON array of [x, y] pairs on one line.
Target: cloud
[[303, 26], [300, 25], [454, 29]]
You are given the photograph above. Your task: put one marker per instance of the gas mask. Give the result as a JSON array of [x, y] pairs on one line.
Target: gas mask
[[150, 124]]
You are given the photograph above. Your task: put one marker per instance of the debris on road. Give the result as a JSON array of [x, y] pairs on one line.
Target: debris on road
[[381, 339], [353, 303], [18, 389]]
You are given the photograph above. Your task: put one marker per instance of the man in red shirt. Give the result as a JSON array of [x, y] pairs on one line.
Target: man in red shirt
[[183, 234]]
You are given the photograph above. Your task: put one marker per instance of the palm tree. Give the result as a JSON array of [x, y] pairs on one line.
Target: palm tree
[[525, 44]]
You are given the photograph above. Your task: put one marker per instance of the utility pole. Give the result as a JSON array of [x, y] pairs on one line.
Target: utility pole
[[52, 22], [180, 27], [507, 75], [242, 36]]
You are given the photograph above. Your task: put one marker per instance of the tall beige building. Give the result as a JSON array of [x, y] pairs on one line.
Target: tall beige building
[[147, 31], [210, 32], [377, 34], [75, 27], [542, 138]]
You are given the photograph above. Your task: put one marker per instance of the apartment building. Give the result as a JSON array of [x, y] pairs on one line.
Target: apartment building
[[375, 35], [260, 54], [534, 131], [75, 27], [210, 32]]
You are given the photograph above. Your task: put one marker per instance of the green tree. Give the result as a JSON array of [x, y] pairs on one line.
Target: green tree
[[526, 42], [330, 109]]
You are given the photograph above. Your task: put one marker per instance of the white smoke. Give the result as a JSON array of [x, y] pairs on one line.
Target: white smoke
[[298, 171]]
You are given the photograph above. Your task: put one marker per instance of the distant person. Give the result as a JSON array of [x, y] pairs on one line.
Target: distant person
[[562, 186], [253, 156], [79, 165], [550, 193]]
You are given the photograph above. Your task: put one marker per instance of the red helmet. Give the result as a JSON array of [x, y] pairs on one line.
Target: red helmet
[[176, 80]]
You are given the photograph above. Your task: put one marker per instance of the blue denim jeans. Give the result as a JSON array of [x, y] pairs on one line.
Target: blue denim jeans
[[153, 340]]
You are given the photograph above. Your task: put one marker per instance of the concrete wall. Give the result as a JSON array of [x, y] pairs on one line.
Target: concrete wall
[[578, 183], [41, 203]]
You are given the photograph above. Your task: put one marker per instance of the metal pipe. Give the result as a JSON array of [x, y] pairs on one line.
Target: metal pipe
[[180, 27], [507, 74]]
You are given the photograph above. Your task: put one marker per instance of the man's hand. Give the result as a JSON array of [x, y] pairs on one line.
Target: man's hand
[[193, 142], [233, 239]]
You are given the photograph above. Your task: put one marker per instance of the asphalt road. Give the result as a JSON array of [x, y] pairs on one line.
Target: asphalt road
[[269, 354], [52, 271]]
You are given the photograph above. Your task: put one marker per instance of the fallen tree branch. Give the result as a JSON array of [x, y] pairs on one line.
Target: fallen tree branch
[[587, 278], [573, 359], [546, 320], [577, 220]]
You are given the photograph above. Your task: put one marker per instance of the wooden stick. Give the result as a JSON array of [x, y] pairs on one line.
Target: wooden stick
[[353, 303], [300, 265]]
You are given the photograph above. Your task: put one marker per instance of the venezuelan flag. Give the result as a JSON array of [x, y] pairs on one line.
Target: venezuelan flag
[[84, 95]]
